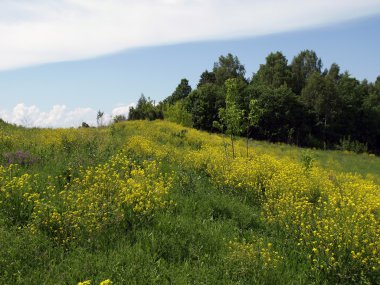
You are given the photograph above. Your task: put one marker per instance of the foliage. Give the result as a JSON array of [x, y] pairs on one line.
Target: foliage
[[145, 109], [349, 145], [207, 78], [319, 97], [85, 125], [280, 113], [119, 118], [299, 103], [231, 116], [254, 114], [275, 72], [181, 92], [177, 113], [307, 159], [100, 118], [227, 67], [303, 66], [204, 103]]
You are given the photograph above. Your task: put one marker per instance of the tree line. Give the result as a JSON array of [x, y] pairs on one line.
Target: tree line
[[298, 103]]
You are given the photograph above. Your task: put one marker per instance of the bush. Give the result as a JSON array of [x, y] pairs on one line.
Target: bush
[[352, 145], [85, 125], [119, 118]]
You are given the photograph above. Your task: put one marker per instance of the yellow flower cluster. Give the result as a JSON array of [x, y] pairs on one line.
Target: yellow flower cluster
[[88, 282], [5, 140], [141, 147], [118, 191], [17, 196], [46, 139], [333, 217], [246, 257]]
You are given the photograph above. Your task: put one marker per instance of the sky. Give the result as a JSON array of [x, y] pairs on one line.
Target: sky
[[61, 61]]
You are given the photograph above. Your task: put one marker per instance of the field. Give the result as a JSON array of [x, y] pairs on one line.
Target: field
[[143, 202]]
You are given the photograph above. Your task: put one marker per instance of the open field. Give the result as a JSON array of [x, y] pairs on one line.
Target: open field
[[156, 203]]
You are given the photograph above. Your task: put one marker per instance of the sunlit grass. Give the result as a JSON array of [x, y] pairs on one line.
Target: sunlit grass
[[153, 203]]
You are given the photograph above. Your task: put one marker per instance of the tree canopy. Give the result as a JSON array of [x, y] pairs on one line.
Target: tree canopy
[[295, 103], [145, 109]]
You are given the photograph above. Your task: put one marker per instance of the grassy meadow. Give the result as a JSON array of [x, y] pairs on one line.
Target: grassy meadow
[[143, 202]]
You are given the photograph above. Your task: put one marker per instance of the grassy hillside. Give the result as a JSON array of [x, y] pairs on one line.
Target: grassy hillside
[[156, 203]]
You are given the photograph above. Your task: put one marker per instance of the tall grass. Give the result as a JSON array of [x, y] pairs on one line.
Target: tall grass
[[156, 203]]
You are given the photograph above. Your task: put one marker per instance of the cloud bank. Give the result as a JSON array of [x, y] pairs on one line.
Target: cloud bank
[[41, 31], [58, 116]]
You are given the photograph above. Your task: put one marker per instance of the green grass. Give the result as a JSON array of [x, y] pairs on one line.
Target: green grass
[[367, 165], [185, 244]]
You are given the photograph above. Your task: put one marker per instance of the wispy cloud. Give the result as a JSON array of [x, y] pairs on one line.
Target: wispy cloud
[[58, 116], [40, 31]]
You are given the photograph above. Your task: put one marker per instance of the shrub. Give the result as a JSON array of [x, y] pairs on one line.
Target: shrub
[[23, 158], [352, 145]]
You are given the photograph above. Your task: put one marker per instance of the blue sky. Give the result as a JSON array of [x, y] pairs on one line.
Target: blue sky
[[69, 86]]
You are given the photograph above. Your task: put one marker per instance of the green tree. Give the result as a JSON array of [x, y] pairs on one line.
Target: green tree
[[377, 86], [177, 113], [228, 67], [282, 116], [275, 72], [231, 116], [371, 120], [203, 104], [319, 96], [119, 118], [100, 118], [145, 109], [181, 92], [252, 119], [334, 72], [303, 66], [351, 121], [85, 125], [207, 77]]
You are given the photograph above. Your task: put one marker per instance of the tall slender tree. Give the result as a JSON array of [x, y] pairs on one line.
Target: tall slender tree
[[231, 116]]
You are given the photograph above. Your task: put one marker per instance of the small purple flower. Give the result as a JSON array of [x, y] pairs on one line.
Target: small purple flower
[[20, 157]]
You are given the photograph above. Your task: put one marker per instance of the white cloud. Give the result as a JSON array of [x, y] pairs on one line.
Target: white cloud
[[58, 116], [122, 110], [35, 32], [79, 115]]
